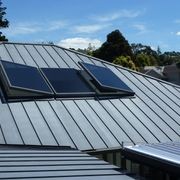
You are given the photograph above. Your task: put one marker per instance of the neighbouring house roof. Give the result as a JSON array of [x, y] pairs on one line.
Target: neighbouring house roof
[[151, 116], [154, 71], [26, 162], [165, 156], [172, 72], [158, 69]]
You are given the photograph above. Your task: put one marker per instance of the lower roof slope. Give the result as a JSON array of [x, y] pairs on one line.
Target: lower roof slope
[[152, 116], [48, 163], [160, 155]]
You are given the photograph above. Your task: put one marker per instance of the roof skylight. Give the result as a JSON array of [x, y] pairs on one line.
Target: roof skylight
[[105, 80], [22, 80]]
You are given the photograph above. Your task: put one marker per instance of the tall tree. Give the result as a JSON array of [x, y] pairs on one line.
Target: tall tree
[[144, 55], [116, 45], [159, 51], [4, 23]]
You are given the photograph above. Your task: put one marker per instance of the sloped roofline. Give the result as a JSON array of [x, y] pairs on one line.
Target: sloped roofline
[[100, 60]]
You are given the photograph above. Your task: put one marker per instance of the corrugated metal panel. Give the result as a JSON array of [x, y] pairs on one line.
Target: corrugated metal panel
[[152, 116], [38, 163]]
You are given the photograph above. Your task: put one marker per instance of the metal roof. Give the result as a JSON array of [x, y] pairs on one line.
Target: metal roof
[[152, 116], [41, 163], [162, 155]]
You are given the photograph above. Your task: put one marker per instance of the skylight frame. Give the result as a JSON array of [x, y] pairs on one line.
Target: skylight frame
[[88, 86], [69, 94], [11, 87], [109, 89]]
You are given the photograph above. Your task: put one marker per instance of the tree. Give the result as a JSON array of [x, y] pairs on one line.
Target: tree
[[143, 60], [140, 48], [125, 61], [159, 51], [145, 55], [137, 48], [116, 45], [4, 23], [90, 49], [168, 58]]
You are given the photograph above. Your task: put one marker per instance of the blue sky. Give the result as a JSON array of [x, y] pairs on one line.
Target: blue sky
[[76, 23]]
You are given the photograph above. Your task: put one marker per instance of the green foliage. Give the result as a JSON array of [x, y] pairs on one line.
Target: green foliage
[[143, 60], [116, 49], [133, 66], [4, 23], [115, 45], [89, 50], [140, 48], [168, 58], [145, 55], [2, 37], [84, 51], [159, 51], [143, 51], [125, 61], [122, 60]]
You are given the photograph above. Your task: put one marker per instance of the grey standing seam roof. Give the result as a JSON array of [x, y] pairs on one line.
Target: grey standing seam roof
[[152, 116], [169, 152], [41, 163], [160, 155]]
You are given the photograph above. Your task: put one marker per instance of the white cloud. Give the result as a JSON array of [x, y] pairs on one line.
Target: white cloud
[[90, 28], [79, 42], [106, 18], [24, 28], [55, 25], [178, 33], [141, 28], [153, 48], [120, 14], [177, 21]]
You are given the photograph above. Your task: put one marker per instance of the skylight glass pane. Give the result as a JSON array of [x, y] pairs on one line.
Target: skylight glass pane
[[67, 81], [105, 78], [24, 77]]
